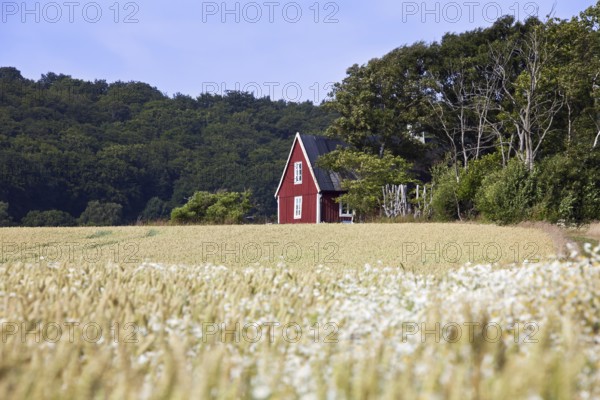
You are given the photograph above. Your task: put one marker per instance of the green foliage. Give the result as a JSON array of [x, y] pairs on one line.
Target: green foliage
[[568, 189], [101, 214], [472, 179], [48, 218], [230, 208], [214, 208], [195, 209], [445, 202], [5, 219], [380, 103], [365, 174], [454, 197], [156, 209], [517, 90], [65, 142], [564, 187], [507, 195]]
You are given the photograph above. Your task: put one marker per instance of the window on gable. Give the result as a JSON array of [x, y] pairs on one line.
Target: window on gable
[[298, 207], [298, 173], [345, 210]]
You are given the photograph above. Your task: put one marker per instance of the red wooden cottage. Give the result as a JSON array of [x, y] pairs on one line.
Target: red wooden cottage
[[306, 193]]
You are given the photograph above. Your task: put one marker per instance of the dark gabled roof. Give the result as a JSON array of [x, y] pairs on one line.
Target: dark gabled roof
[[314, 147], [317, 146]]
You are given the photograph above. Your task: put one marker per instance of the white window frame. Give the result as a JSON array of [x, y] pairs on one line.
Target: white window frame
[[298, 207], [298, 173], [348, 214]]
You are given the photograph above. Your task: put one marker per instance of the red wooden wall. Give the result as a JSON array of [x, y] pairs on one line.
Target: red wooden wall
[[307, 189], [330, 209]]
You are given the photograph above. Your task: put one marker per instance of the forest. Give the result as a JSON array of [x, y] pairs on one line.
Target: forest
[[502, 122], [510, 115], [133, 152]]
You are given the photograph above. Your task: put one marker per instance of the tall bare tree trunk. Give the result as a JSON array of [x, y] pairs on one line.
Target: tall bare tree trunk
[[534, 113]]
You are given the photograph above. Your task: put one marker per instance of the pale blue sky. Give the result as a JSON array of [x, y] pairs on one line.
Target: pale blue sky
[[278, 47]]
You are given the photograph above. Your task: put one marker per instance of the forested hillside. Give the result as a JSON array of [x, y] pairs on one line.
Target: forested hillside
[[65, 142]]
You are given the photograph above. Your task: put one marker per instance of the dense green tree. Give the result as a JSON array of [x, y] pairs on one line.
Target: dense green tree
[[508, 195], [5, 219], [156, 209], [454, 197], [380, 104], [214, 208], [230, 208], [568, 188], [365, 175], [101, 214], [48, 218]]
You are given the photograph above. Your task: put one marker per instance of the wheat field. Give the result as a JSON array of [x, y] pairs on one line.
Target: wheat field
[[325, 312], [427, 248]]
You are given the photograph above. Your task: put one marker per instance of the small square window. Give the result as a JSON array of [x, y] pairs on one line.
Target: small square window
[[298, 207], [345, 210], [298, 173]]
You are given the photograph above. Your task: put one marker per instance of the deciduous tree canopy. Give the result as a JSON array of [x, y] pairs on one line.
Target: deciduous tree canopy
[[65, 142]]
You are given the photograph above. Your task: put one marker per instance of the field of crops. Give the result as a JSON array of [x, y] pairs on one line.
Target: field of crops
[[371, 311], [416, 247]]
